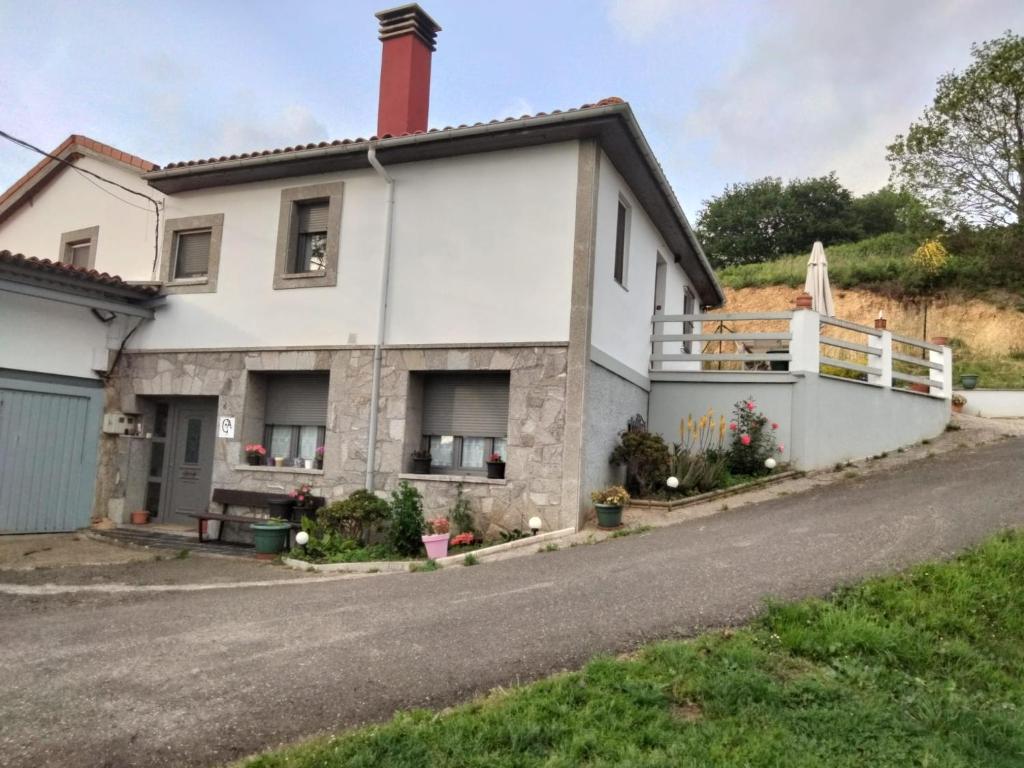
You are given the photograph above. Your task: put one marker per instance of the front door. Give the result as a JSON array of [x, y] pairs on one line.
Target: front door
[[190, 468]]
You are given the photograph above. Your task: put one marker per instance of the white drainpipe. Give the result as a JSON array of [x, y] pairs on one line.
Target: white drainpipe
[[382, 314]]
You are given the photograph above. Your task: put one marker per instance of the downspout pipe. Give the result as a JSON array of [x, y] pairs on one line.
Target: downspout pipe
[[382, 314]]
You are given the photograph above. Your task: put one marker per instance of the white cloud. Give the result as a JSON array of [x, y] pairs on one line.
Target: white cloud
[[245, 131], [826, 86], [640, 19]]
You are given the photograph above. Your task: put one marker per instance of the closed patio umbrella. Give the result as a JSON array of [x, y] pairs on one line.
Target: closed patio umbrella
[[817, 282]]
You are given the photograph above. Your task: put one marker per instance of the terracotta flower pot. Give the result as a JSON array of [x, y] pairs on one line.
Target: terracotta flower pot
[[140, 517]]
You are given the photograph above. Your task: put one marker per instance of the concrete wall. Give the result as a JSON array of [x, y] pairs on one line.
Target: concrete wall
[[622, 315], [611, 402], [822, 420], [71, 201], [50, 337], [482, 253], [994, 403]]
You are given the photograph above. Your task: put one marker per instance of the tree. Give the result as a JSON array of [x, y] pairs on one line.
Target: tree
[[766, 219], [891, 210], [965, 155]]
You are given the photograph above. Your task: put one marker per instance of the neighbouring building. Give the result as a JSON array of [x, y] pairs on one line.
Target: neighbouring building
[[471, 290]]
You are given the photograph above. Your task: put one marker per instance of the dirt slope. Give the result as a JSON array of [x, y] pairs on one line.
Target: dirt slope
[[982, 327]]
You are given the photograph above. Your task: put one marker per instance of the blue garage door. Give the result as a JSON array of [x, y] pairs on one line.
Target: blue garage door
[[49, 434]]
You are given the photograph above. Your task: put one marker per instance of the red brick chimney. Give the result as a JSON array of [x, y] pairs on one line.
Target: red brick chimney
[[408, 35]]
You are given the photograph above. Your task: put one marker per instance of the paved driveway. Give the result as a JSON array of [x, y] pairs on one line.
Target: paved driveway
[[200, 678]]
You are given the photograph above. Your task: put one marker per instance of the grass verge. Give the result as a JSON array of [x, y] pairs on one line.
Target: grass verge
[[921, 669]]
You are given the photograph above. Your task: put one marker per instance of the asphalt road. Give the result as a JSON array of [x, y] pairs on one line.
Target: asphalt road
[[201, 678]]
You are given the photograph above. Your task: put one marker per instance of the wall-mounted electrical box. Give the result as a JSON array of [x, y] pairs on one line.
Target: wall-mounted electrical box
[[116, 423]]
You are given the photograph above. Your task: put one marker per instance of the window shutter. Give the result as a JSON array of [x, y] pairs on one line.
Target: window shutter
[[313, 217], [469, 404], [297, 399], [193, 254]]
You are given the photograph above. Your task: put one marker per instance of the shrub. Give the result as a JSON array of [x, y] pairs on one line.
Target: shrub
[[647, 461], [460, 513], [406, 522], [699, 461], [753, 440], [353, 518]]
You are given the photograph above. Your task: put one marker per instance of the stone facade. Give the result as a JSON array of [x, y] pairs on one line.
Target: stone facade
[[537, 413]]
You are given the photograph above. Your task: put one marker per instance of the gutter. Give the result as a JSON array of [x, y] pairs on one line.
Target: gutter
[[382, 314]]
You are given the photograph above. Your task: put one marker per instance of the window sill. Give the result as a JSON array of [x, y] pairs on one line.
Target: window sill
[[469, 479], [286, 470], [187, 281], [313, 275]]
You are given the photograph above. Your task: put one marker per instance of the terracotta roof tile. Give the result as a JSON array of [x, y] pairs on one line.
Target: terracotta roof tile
[[85, 275], [361, 140]]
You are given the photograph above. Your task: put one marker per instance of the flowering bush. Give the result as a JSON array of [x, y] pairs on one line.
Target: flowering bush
[[303, 495], [495, 458], [254, 450], [753, 440], [438, 525], [461, 539], [613, 495]]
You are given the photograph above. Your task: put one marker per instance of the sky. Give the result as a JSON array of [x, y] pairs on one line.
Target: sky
[[725, 92]]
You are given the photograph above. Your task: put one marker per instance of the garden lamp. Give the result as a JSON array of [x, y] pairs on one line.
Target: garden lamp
[[535, 524]]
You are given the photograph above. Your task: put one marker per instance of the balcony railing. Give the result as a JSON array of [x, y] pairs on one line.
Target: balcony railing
[[801, 341]]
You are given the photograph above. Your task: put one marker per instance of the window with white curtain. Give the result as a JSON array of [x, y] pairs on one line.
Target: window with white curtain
[[465, 418]]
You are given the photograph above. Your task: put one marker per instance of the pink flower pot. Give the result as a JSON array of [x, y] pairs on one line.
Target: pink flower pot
[[436, 544]]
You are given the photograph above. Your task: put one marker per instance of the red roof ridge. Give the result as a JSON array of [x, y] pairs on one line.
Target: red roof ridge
[[68, 146], [609, 101], [88, 275]]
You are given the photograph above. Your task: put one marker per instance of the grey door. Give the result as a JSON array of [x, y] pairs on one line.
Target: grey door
[[190, 467], [49, 430]]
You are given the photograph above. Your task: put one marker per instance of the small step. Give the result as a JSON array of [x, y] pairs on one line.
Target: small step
[[175, 542]]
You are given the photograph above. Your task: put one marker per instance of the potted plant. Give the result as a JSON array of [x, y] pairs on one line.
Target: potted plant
[[303, 499], [421, 462], [319, 461], [968, 380], [495, 467], [436, 538], [255, 454], [608, 503], [959, 401], [140, 517], [270, 536]]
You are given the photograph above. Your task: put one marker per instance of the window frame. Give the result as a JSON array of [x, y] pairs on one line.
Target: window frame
[[288, 236], [293, 440], [78, 237], [178, 234], [457, 467], [169, 253], [620, 259]]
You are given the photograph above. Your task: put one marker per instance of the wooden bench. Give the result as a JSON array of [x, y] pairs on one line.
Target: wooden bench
[[227, 498]]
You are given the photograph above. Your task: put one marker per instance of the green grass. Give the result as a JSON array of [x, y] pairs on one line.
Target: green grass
[[994, 372], [883, 264], [921, 669]]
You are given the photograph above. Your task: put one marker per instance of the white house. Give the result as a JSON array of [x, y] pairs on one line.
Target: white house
[[475, 289]]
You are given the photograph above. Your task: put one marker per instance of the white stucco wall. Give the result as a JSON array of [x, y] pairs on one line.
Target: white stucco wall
[[621, 324], [48, 337], [482, 252], [71, 201]]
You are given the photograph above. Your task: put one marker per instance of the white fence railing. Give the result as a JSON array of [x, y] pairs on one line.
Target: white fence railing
[[800, 341]]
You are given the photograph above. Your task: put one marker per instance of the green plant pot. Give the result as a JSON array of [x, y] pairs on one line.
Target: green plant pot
[[968, 380], [269, 537], [608, 516]]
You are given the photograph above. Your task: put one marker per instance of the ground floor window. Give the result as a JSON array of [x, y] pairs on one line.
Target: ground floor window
[[465, 418], [295, 419]]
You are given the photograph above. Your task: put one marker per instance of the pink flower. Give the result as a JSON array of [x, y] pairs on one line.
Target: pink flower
[[780, 449], [750, 405], [732, 425], [745, 439], [774, 425]]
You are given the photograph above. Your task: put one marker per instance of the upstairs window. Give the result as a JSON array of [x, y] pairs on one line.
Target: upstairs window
[[311, 247], [622, 222], [192, 254], [78, 248], [295, 418], [465, 419]]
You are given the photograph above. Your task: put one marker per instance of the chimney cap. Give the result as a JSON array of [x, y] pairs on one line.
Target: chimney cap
[[408, 19]]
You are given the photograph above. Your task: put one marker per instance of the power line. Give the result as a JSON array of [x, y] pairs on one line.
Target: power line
[[86, 171]]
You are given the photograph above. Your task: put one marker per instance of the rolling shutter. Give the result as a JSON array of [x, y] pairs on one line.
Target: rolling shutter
[[468, 404], [297, 399], [193, 254], [313, 217]]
